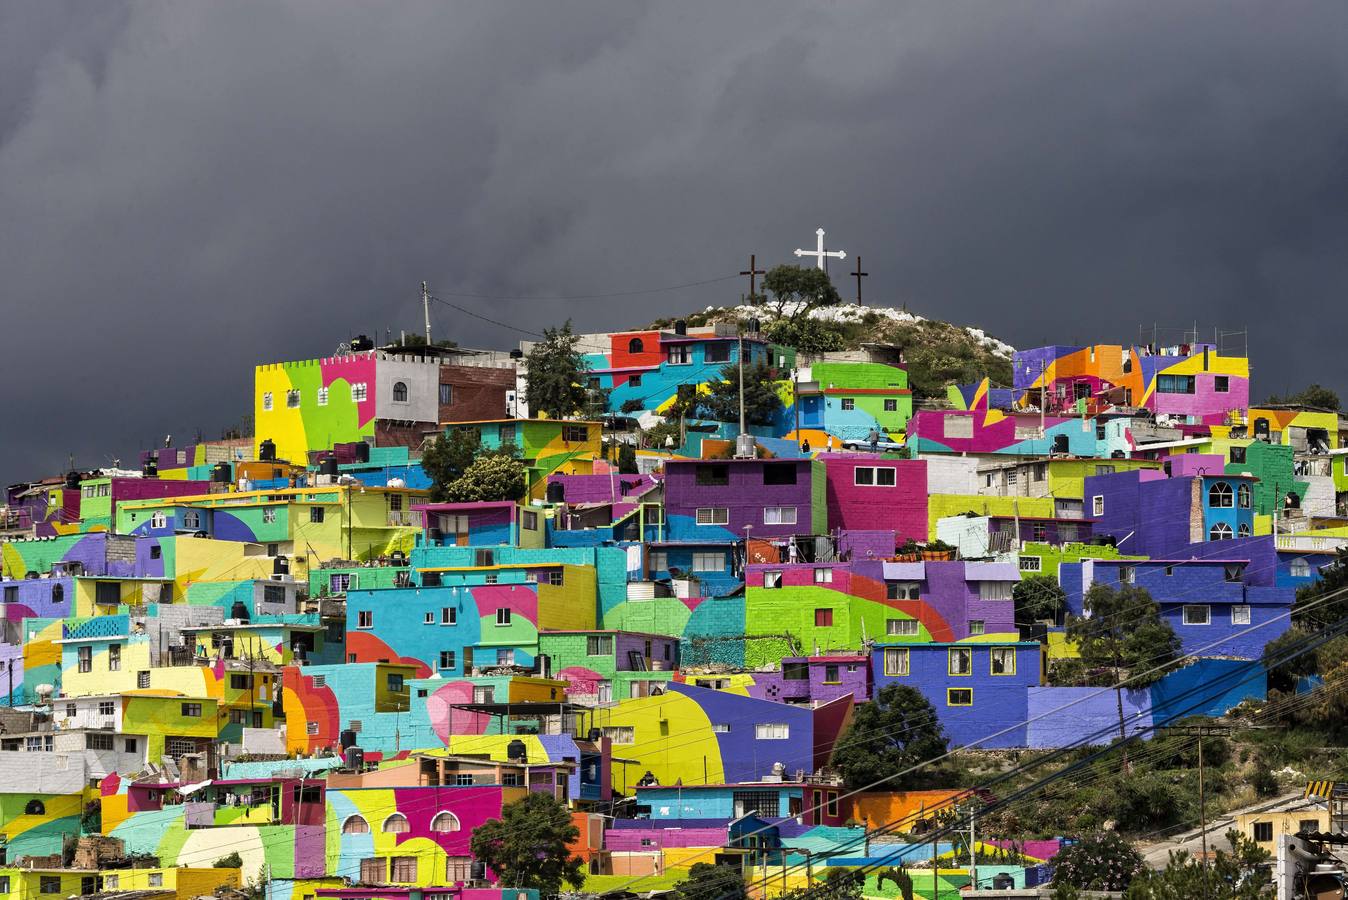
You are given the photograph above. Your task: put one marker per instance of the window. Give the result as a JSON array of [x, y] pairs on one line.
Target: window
[[1197, 614], [143, 679], [1221, 384], [484, 558], [659, 561], [1243, 496], [976, 626], [1299, 568], [529, 520], [901, 627], [1031, 564], [823, 618], [1307, 825], [599, 645], [1243, 530], [446, 659], [635, 345], [503, 616], [269, 515], [192, 710], [848, 404], [959, 661], [1240, 614], [554, 578], [311, 728], [717, 353], [896, 660], [995, 590], [355, 825], [711, 476], [36, 807], [1220, 532], [573, 434], [1233, 573], [1097, 505], [708, 562], [266, 401], [129, 745], [85, 656], [1127, 574], [399, 392], [359, 392], [720, 728], [772, 580], [870, 476], [891, 406], [372, 870], [158, 520], [323, 396], [445, 822], [1219, 495], [51, 884], [396, 685], [403, 869], [98, 741], [677, 355], [1174, 384], [1003, 660], [484, 693], [779, 515], [110, 882], [779, 473], [458, 868], [1038, 530], [620, 734], [365, 618], [292, 399], [959, 697], [156, 879], [823, 576], [449, 615], [713, 515], [339, 582], [1262, 831], [903, 590], [772, 731], [634, 380], [107, 708], [396, 824], [795, 671], [315, 514], [114, 657], [157, 552]]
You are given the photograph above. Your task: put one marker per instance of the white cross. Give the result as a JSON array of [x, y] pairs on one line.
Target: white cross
[[820, 254]]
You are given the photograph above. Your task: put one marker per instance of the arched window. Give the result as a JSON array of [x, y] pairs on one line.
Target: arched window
[[635, 345], [192, 520], [1300, 568], [396, 824], [445, 822], [35, 808], [1243, 496], [58, 593], [1220, 532], [355, 825], [399, 392], [1243, 530], [1219, 495]]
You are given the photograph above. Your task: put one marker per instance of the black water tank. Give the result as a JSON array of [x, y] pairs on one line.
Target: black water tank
[[266, 451], [328, 466], [280, 565], [1118, 454], [680, 327], [222, 473], [239, 611], [355, 757], [556, 492], [362, 452], [479, 870], [150, 468], [1003, 882], [348, 739], [397, 558], [516, 751], [72, 480], [361, 342], [517, 354]]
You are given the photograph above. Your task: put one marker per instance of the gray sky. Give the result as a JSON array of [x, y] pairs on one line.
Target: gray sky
[[187, 189]]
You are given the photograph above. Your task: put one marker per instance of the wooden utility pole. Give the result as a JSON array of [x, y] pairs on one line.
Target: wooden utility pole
[[858, 275], [753, 272]]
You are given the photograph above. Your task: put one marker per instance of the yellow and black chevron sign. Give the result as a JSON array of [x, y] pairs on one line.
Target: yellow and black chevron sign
[[1319, 789]]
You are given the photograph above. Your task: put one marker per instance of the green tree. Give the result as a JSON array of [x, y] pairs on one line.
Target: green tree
[[1038, 598], [903, 882], [1122, 631], [706, 881], [796, 290], [1099, 862], [892, 733], [1324, 602], [556, 375], [761, 401], [1315, 395], [627, 460], [528, 846], [491, 477], [1229, 876], [232, 861], [447, 457], [806, 335]]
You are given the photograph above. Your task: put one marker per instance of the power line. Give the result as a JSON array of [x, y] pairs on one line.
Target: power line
[[604, 296]]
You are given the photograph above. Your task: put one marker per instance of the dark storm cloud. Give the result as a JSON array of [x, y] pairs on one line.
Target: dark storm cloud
[[189, 189]]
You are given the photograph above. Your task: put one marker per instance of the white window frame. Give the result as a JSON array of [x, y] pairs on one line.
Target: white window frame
[[702, 560], [323, 396], [1098, 505], [365, 618], [504, 616], [996, 590], [158, 520], [779, 515], [713, 515], [360, 391], [1032, 564], [903, 627], [1240, 614], [449, 615], [772, 731], [772, 580], [823, 576], [267, 401]]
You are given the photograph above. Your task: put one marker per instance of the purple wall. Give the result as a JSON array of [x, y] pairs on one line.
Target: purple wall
[[744, 497]]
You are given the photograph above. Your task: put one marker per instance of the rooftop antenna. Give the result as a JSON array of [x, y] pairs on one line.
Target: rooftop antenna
[[426, 311]]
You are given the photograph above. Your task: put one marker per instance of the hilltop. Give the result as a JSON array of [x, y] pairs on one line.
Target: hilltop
[[936, 353]]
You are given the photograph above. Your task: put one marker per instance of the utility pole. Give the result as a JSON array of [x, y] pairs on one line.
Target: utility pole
[[1043, 395], [426, 311], [973, 850]]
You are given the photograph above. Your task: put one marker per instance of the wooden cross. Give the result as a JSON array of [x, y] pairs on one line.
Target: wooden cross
[[820, 254], [753, 273], [858, 275]]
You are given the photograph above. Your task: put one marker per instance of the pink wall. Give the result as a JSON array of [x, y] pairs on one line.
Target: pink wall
[[901, 508]]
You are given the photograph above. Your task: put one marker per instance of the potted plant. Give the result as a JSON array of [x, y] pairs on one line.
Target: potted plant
[[908, 551], [938, 550]]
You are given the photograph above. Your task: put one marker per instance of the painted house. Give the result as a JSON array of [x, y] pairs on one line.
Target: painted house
[[545, 446], [979, 690], [714, 500], [804, 801], [866, 493], [599, 666], [848, 400], [1147, 513], [481, 524]]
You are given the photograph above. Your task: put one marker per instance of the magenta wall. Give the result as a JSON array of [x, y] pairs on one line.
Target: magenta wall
[[901, 508]]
